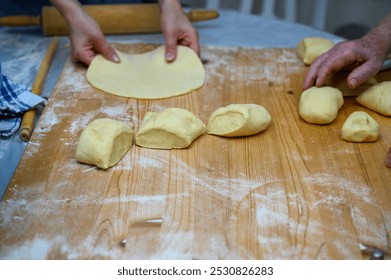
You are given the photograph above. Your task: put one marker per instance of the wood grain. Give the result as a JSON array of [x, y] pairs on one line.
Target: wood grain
[[27, 125], [295, 191]]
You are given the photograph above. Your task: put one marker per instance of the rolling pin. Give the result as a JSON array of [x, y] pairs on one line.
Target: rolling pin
[[26, 128], [112, 19]]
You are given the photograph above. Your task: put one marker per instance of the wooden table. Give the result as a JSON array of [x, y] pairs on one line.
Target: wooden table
[[295, 191]]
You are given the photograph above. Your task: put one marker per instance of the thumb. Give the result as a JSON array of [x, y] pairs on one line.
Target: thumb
[[362, 73], [171, 48], [108, 52]]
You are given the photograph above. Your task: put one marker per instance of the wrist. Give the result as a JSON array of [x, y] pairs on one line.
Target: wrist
[[71, 10], [382, 33], [170, 4]]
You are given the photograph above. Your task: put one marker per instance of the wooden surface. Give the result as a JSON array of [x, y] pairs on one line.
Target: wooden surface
[[295, 191]]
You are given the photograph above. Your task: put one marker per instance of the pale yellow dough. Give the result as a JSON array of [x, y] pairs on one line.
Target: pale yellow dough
[[238, 120], [377, 98], [148, 75], [360, 127], [173, 128], [104, 142], [320, 105], [310, 48]]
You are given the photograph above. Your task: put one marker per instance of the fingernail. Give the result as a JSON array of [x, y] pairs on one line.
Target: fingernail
[[115, 58], [170, 56], [353, 83]]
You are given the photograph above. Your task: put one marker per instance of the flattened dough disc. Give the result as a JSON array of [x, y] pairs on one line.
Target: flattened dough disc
[[148, 75]]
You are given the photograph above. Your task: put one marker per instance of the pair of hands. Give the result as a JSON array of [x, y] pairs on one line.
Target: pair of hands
[[87, 38]]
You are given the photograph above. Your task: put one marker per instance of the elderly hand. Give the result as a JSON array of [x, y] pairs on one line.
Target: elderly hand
[[177, 29], [365, 56]]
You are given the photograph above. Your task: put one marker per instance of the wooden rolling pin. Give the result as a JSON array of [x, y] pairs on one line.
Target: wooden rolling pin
[[27, 125], [112, 19]]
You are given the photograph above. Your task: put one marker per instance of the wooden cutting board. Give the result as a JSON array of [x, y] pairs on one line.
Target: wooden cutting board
[[295, 191]]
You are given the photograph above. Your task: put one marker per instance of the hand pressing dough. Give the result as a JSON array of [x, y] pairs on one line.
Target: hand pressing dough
[[173, 128], [148, 75], [377, 98], [320, 105], [310, 48], [104, 142], [360, 127], [238, 120]]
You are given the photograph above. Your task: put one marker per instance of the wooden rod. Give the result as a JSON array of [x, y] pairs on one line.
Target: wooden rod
[[27, 125]]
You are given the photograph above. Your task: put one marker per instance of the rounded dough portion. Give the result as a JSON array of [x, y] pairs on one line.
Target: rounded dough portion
[[320, 105], [310, 48], [104, 142], [360, 127], [173, 128], [377, 98], [238, 120], [148, 75]]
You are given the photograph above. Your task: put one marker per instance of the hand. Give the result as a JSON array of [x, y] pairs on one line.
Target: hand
[[86, 37], [177, 29], [364, 56], [87, 40]]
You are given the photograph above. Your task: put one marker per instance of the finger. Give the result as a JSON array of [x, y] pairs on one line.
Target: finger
[[363, 72], [312, 74], [194, 43], [335, 62], [171, 47], [86, 58], [107, 51], [84, 55]]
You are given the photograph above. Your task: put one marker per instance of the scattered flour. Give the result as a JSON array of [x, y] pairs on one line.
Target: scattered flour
[[272, 202]]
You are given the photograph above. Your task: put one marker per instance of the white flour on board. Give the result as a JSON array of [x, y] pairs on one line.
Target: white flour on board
[[271, 211], [74, 81], [363, 192], [252, 70], [271, 208]]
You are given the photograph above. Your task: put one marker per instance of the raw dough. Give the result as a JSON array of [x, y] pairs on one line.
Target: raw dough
[[320, 105], [377, 98], [148, 75], [173, 128], [360, 127], [104, 142], [310, 48], [238, 120]]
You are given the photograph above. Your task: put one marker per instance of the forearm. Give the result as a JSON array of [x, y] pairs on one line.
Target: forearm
[[173, 5], [380, 36], [71, 10]]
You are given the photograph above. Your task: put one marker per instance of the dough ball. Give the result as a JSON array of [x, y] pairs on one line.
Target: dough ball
[[377, 98], [173, 128], [104, 142], [320, 105], [360, 127], [238, 120], [148, 75], [310, 48]]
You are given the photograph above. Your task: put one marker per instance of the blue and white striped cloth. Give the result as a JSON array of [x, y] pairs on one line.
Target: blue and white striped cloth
[[15, 99]]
